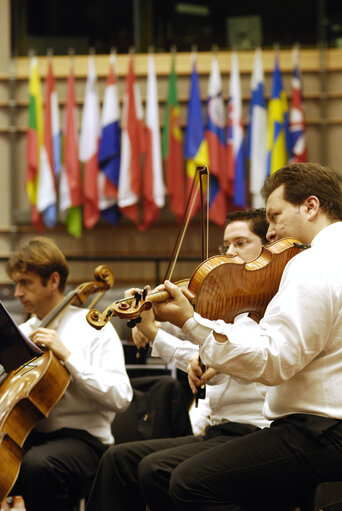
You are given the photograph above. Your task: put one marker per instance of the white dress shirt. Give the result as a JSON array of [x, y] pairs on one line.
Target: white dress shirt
[[297, 346], [99, 385], [228, 399]]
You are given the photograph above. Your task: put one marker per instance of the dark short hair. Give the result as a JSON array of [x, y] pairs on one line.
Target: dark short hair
[[256, 218], [41, 256], [301, 180]]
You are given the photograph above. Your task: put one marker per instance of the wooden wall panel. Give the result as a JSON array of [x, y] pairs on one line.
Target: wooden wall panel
[[125, 241]]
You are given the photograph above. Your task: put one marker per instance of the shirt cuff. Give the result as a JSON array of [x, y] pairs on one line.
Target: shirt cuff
[[195, 332]]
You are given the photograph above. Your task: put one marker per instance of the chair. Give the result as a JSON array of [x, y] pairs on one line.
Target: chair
[[326, 497], [159, 410]]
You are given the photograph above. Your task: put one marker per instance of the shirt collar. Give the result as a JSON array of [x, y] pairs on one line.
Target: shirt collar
[[327, 232]]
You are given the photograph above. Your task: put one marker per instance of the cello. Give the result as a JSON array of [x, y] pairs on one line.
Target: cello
[[29, 392]]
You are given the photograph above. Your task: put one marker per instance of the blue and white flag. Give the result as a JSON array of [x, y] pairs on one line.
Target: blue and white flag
[[257, 132], [109, 151]]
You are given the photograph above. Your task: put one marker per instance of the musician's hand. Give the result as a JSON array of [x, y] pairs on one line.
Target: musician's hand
[[196, 376], [48, 338], [140, 340], [178, 309], [146, 330], [208, 374], [131, 291]]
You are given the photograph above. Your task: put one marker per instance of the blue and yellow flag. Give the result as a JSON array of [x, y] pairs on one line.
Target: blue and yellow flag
[[196, 146], [278, 136]]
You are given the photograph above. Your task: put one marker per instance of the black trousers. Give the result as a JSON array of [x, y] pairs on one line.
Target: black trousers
[[54, 468], [274, 468], [134, 474]]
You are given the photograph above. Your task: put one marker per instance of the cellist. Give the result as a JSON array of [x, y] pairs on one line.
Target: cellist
[[296, 349], [63, 450]]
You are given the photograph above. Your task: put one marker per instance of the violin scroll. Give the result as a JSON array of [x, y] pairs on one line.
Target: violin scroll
[[131, 307]]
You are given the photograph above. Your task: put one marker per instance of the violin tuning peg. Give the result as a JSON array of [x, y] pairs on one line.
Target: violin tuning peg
[[131, 323], [138, 320], [137, 297], [144, 294]]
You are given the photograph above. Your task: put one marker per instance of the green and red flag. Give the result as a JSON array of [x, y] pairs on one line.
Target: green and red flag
[[172, 149], [35, 136]]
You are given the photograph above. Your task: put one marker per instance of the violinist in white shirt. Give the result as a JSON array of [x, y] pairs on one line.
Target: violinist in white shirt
[[134, 474], [296, 350]]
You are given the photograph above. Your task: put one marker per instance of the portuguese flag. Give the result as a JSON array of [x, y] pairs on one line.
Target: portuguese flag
[[172, 149]]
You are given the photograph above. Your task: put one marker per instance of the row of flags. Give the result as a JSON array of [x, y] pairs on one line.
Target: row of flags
[[122, 165]]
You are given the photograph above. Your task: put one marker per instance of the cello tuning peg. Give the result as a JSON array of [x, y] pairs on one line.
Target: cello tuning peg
[[131, 323], [137, 320], [144, 294]]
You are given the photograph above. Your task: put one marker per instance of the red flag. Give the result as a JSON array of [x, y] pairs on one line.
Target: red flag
[[132, 149]]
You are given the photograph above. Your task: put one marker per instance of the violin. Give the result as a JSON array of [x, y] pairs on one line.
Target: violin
[[29, 393], [221, 287]]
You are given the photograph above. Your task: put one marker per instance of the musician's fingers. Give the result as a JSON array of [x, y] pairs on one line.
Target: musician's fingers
[[193, 375], [192, 385], [161, 287], [38, 335], [187, 293], [140, 340], [131, 291], [146, 317], [195, 366], [174, 291], [208, 374]]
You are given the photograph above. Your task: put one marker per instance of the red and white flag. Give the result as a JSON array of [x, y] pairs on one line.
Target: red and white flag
[[153, 184], [70, 185], [89, 145], [216, 137], [132, 148], [298, 150], [49, 154], [235, 146]]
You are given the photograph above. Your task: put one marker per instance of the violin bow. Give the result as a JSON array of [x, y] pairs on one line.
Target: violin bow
[[197, 185], [203, 171], [201, 175]]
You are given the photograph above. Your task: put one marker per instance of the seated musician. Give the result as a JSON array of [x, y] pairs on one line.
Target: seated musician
[[296, 350], [63, 450], [134, 474]]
